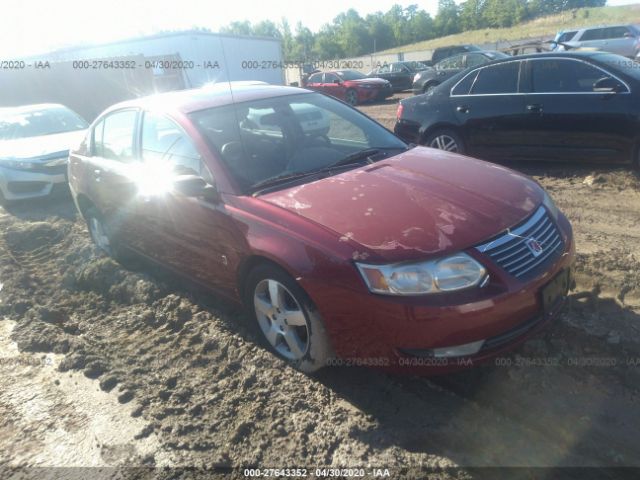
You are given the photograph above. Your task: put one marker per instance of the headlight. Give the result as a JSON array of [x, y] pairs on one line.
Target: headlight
[[448, 274], [416, 77], [550, 205], [17, 164]]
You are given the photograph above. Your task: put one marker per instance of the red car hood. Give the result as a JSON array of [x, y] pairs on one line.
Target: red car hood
[[421, 203]]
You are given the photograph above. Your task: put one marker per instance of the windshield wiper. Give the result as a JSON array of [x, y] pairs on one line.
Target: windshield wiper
[[268, 182], [356, 157]]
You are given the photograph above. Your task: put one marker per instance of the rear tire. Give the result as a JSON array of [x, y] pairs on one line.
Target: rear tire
[[286, 320], [446, 140]]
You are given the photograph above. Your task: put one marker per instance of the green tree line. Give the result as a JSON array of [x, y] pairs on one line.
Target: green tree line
[[350, 34]]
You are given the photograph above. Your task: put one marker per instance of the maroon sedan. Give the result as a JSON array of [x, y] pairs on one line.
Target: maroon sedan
[[347, 246], [351, 86]]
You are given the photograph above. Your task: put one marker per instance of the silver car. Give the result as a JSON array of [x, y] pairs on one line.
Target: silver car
[[621, 39], [34, 149]]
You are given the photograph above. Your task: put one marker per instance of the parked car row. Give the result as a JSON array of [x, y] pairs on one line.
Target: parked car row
[[339, 238]]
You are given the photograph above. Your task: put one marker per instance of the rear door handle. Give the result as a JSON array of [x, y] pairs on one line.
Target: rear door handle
[[534, 108], [462, 109]]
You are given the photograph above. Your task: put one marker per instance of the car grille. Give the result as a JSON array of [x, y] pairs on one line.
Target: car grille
[[523, 250]]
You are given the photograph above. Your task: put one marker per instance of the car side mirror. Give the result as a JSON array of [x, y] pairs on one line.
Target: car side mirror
[[195, 186], [608, 85], [629, 35]]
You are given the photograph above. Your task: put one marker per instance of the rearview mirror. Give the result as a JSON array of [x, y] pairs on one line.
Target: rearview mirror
[[337, 80], [194, 186], [608, 85]]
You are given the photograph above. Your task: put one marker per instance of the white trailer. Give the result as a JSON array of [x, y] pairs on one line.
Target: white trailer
[[199, 57]]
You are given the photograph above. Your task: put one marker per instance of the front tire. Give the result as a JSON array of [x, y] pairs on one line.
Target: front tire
[[351, 97], [286, 320], [446, 140], [100, 232]]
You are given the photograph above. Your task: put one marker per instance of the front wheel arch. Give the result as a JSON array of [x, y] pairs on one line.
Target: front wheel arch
[[319, 351], [428, 86]]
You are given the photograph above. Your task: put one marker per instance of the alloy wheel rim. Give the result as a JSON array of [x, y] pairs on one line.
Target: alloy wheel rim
[[281, 319], [352, 98], [444, 142], [99, 235]]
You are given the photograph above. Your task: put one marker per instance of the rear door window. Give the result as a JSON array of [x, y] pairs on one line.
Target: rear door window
[[564, 76], [116, 142], [497, 79], [475, 59], [330, 78]]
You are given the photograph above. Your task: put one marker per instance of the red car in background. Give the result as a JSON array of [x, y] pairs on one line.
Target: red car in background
[[351, 86], [347, 246]]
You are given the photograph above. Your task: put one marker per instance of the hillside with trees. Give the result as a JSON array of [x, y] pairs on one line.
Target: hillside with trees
[[350, 34]]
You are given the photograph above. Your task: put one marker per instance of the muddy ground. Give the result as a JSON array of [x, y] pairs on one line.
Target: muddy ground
[[102, 365]]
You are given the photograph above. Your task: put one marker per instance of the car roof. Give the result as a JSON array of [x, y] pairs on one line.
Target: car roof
[[212, 95], [569, 54]]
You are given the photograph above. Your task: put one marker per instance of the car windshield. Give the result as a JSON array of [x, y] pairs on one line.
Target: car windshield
[[620, 64], [16, 124], [269, 140], [350, 75], [416, 66]]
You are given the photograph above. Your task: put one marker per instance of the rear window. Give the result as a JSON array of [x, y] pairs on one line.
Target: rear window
[[497, 79], [560, 75], [616, 32]]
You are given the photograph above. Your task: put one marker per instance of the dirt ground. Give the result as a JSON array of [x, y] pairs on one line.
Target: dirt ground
[[107, 366]]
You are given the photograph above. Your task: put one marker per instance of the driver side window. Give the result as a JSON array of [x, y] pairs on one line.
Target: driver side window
[[164, 141]]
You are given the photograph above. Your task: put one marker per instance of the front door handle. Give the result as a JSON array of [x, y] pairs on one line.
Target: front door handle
[[534, 108], [462, 109]]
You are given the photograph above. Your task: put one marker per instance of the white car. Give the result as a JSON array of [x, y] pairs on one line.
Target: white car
[[34, 149], [314, 122]]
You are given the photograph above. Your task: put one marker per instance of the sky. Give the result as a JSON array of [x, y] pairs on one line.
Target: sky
[[36, 26]]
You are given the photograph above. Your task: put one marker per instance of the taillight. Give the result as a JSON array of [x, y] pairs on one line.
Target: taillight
[[399, 112]]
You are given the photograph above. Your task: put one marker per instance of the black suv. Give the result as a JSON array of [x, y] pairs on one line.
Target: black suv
[[441, 53]]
